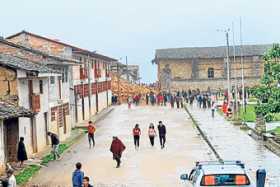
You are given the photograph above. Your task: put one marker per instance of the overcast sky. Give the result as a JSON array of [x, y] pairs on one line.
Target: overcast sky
[[120, 28]]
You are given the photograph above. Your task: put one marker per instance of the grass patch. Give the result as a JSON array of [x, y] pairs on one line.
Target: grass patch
[[24, 176], [252, 99], [49, 157], [250, 115], [276, 131], [27, 173]]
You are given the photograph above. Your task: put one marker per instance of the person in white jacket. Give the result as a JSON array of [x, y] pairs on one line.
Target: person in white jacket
[[152, 133], [11, 178], [213, 108]]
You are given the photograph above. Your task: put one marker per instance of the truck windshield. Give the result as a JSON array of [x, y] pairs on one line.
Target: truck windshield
[[225, 180]]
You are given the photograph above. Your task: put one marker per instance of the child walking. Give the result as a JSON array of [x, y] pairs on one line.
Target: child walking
[[136, 136]]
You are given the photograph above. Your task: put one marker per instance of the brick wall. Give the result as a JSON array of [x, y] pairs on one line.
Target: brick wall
[[40, 44]]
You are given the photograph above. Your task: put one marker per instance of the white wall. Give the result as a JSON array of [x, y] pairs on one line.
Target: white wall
[[54, 91], [24, 128], [25, 123]]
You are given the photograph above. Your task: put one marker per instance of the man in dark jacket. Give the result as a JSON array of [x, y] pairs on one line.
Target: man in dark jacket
[[55, 145], [162, 134], [78, 176], [117, 147]]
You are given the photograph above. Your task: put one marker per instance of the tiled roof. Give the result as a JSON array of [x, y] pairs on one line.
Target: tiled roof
[[9, 111], [35, 51], [74, 48], [27, 65], [209, 52]]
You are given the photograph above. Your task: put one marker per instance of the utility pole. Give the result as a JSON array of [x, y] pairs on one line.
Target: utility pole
[[118, 79], [228, 66], [127, 77], [235, 113], [89, 84], [242, 68], [106, 80]]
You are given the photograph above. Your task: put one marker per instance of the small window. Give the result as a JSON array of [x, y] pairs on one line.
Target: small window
[[64, 75], [52, 80], [210, 73], [41, 86]]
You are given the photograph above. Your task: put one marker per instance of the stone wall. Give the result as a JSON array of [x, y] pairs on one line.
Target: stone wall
[[193, 73], [214, 84]]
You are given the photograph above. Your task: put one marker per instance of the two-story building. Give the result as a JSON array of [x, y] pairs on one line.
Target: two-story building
[[23, 105], [91, 83], [206, 68], [51, 91]]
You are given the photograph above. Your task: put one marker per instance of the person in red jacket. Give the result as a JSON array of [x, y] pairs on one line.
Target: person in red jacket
[[117, 148], [136, 135], [91, 130]]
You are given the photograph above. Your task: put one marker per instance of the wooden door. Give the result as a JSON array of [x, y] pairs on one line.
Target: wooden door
[[11, 139]]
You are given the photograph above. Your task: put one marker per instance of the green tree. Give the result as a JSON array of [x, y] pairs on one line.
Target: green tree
[[268, 93]]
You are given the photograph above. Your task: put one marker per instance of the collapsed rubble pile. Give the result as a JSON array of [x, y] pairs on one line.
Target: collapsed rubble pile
[[124, 89]]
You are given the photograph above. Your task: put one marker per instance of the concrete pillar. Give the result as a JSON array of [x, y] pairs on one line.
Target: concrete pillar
[[260, 125]]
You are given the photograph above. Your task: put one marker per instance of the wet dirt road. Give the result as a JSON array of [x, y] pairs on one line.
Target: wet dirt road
[[233, 143], [149, 166]]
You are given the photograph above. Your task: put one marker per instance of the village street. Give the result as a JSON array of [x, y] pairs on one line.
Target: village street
[[149, 167]]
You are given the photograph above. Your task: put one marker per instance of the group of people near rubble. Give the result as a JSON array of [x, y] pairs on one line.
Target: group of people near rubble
[[163, 98]]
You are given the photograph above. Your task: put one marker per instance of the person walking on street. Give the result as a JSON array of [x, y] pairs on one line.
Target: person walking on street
[[162, 134], [182, 102], [21, 153], [152, 133], [177, 98], [86, 182], [91, 130], [172, 101], [165, 99], [147, 99], [55, 145], [117, 148], [129, 102], [136, 136], [78, 176], [213, 107]]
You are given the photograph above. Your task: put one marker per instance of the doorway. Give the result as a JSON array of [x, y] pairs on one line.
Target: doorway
[[11, 137]]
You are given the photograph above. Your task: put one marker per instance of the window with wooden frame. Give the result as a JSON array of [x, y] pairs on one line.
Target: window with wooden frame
[[53, 113], [35, 103]]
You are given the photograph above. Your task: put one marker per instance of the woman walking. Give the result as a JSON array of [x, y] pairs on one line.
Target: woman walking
[[21, 154], [152, 133], [117, 148], [136, 136]]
